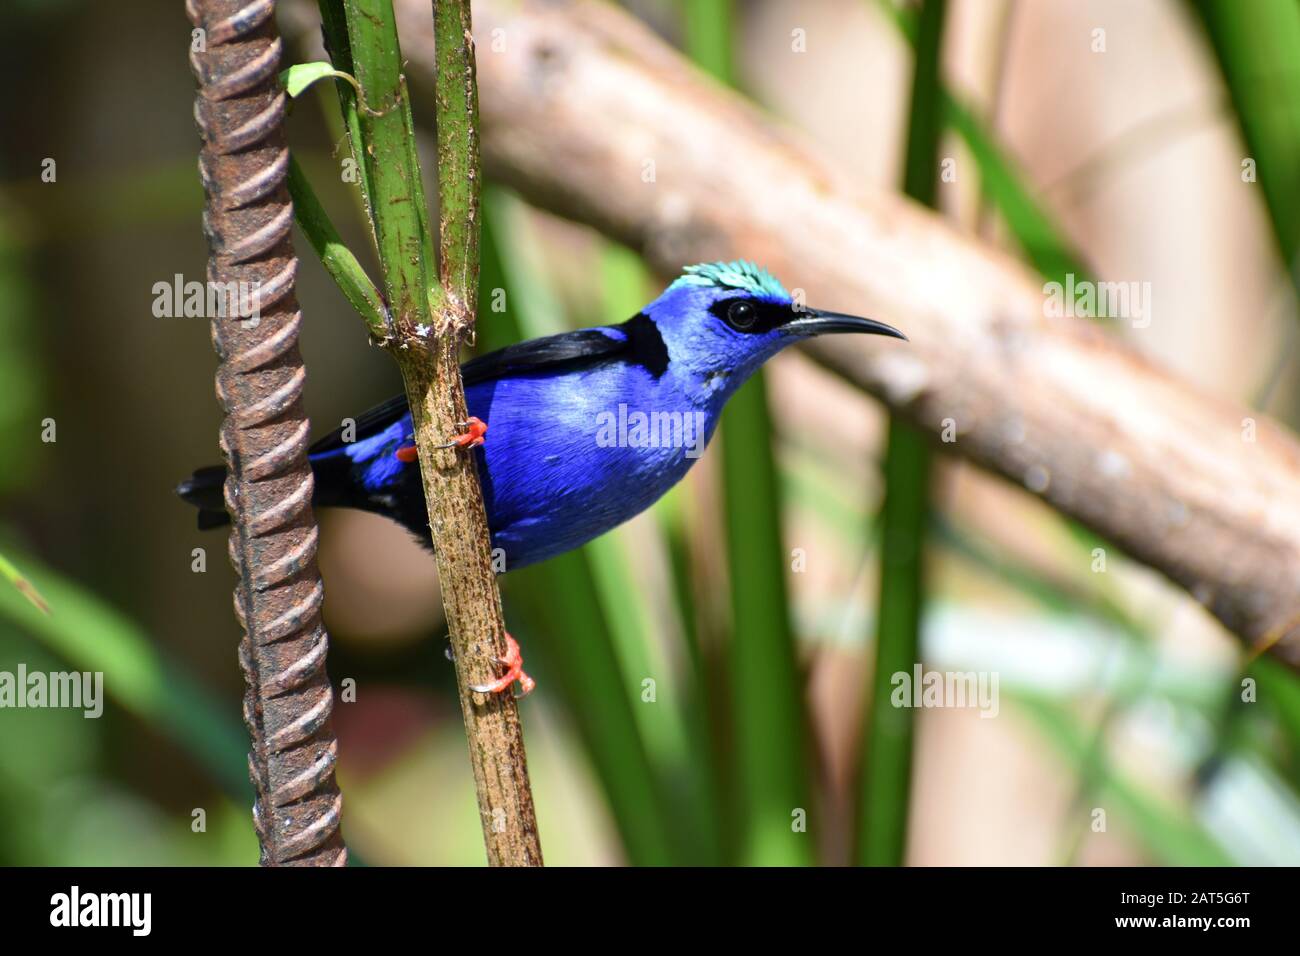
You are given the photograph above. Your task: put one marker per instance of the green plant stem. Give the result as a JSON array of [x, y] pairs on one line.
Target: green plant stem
[[335, 28], [336, 257], [429, 324], [887, 762], [393, 181], [458, 155]]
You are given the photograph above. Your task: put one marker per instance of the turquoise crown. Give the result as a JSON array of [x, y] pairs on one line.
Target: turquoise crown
[[740, 274]]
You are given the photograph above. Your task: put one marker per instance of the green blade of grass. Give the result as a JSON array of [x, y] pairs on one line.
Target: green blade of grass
[[772, 787], [702, 714], [677, 745], [1168, 834], [887, 737], [887, 761], [23, 585], [579, 654], [1000, 178], [92, 636], [1258, 49], [769, 718]]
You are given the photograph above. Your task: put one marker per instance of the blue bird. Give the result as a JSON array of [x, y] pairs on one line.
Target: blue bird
[[589, 428]]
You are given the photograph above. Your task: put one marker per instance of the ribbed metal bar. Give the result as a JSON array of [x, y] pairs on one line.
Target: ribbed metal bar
[[264, 437]]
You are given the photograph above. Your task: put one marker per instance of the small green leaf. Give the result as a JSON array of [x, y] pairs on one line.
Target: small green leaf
[[302, 75]]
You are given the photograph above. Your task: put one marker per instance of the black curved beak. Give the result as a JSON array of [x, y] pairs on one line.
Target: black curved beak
[[810, 322]]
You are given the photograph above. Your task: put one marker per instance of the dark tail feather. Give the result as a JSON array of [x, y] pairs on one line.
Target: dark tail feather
[[334, 482], [203, 489]]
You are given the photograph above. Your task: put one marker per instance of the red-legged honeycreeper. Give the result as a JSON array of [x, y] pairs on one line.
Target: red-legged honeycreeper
[[588, 428]]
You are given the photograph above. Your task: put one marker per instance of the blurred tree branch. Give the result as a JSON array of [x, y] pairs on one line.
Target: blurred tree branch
[[577, 97]]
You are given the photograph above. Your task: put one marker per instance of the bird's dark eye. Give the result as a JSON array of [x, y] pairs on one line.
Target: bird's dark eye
[[741, 316]]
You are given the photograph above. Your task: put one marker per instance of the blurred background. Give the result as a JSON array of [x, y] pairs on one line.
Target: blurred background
[[1121, 736]]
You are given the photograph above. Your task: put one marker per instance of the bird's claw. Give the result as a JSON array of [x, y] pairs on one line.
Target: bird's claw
[[472, 437], [475, 429], [513, 662]]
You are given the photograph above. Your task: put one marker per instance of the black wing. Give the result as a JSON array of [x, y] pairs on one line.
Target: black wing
[[552, 353], [638, 341]]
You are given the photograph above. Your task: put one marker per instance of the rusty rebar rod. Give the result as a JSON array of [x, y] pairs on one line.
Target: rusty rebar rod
[[247, 220]]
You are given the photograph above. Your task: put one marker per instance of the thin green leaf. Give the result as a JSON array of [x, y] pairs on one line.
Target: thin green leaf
[[343, 267], [1168, 833], [1258, 49], [905, 516], [773, 787], [1000, 177], [24, 586], [92, 636]]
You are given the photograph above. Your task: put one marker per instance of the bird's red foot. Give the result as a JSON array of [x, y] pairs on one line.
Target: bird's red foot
[[475, 429], [472, 436], [514, 664]]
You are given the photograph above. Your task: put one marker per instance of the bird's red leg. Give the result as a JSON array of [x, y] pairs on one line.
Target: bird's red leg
[[472, 437], [514, 664]]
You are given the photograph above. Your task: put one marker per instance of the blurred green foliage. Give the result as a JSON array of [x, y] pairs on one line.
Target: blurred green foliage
[[689, 715], [1258, 49]]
